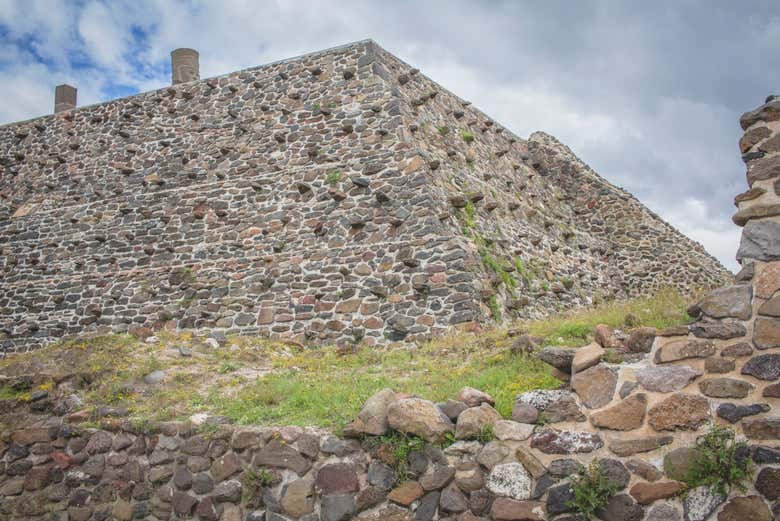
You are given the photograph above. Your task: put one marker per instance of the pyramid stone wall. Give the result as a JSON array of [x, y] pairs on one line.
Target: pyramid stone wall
[[317, 198]]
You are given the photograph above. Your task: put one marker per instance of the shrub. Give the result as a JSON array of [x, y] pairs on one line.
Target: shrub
[[467, 136], [592, 491], [722, 462]]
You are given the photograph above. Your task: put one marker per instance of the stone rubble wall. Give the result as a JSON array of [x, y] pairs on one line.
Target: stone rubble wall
[[638, 421], [313, 199]]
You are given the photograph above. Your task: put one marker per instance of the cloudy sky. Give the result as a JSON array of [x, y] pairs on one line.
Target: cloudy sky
[[647, 93]]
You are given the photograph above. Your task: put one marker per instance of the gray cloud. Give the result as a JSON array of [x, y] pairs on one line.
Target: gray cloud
[[648, 93]]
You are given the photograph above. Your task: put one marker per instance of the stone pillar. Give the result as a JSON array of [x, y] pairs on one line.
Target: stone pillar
[[184, 66], [64, 98], [758, 209]]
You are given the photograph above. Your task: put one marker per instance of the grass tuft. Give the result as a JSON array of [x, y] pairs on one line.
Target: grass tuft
[[666, 308]]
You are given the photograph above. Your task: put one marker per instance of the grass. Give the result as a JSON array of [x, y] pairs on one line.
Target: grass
[[324, 387], [666, 308], [333, 177], [257, 380], [466, 136]]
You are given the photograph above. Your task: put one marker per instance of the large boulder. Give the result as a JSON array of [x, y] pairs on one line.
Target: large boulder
[[475, 420], [419, 417], [372, 418]]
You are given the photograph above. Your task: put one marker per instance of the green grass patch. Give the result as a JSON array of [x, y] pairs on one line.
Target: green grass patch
[[664, 309], [323, 387], [333, 177], [466, 136]]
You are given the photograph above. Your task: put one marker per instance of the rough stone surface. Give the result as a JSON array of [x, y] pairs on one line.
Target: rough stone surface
[[734, 413], [506, 509], [666, 379], [646, 493], [768, 483], [372, 418], [419, 417], [745, 508], [725, 388], [621, 507], [624, 416], [762, 428], [760, 241], [475, 420], [763, 367], [595, 386], [630, 446], [700, 503], [682, 349], [509, 480], [766, 332], [552, 441], [586, 357], [664, 512], [679, 411], [728, 302]]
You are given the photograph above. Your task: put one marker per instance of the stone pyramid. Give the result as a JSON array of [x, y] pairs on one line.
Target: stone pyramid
[[341, 196]]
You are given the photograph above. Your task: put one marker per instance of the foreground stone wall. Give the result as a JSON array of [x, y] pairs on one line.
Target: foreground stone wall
[[638, 421], [341, 197]]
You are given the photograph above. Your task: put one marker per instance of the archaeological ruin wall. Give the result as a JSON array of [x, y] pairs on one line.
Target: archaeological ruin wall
[[639, 421], [337, 197]]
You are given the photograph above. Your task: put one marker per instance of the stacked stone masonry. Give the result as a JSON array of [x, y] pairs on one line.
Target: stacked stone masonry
[[638, 421], [341, 196]]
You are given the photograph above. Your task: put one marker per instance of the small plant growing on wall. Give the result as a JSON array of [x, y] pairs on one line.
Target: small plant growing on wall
[[592, 491], [333, 177], [443, 129], [722, 462], [467, 136]]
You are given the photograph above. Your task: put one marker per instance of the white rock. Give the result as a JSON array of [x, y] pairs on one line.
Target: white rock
[[510, 480]]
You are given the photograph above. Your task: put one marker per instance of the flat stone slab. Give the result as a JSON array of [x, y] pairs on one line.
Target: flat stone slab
[[682, 349], [666, 379]]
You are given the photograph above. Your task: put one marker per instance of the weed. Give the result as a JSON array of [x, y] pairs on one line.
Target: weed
[[226, 367], [443, 129], [466, 136], [333, 177], [495, 309], [401, 445], [485, 435], [722, 462], [469, 215], [491, 263], [592, 491], [254, 477]]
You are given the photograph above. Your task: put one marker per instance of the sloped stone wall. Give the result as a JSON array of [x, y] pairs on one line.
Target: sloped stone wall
[[337, 197], [638, 421]]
